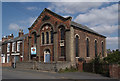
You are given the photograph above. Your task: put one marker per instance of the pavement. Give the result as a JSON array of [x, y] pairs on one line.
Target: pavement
[[10, 73]]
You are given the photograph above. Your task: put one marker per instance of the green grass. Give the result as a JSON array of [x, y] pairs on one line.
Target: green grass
[[68, 70]]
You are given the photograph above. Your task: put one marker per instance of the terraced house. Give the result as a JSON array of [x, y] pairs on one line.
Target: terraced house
[[53, 38], [14, 48]]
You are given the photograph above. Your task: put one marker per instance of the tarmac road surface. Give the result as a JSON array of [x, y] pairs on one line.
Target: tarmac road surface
[[9, 73]]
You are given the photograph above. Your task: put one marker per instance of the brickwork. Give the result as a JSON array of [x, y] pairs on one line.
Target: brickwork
[[82, 44], [114, 70], [7, 64]]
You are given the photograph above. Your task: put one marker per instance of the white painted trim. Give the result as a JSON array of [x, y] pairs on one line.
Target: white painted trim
[[77, 35], [96, 40], [8, 54], [15, 54], [88, 38], [87, 57]]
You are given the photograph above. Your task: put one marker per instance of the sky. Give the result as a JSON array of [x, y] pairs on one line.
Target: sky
[[102, 17]]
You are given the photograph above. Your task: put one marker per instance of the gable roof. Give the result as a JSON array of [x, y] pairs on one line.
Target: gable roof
[[85, 28], [52, 13], [73, 24]]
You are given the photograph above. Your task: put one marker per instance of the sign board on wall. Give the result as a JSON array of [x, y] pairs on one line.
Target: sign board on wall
[[33, 50]]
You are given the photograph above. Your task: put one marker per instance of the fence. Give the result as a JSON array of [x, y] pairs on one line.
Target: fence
[[96, 68]]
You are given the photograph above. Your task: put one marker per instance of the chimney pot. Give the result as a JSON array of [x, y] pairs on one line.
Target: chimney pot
[[21, 32]]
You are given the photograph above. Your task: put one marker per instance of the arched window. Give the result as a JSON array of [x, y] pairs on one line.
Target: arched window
[[87, 47], [77, 45], [42, 38], [35, 38], [95, 48], [51, 36], [102, 49], [62, 33], [47, 37]]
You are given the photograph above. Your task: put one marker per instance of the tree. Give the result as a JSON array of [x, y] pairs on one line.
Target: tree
[[113, 57]]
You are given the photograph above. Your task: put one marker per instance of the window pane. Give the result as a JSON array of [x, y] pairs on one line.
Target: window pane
[[87, 44], [8, 47], [42, 38], [95, 48], [77, 46], [35, 38], [13, 47], [62, 33], [51, 36], [102, 49], [62, 51], [47, 37]]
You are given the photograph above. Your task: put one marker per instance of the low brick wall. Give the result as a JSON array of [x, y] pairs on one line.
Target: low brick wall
[[114, 70], [43, 66], [6, 64]]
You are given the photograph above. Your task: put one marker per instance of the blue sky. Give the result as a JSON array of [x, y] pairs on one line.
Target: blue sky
[[99, 16]]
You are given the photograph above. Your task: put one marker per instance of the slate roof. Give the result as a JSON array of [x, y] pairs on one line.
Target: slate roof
[[85, 28], [15, 39]]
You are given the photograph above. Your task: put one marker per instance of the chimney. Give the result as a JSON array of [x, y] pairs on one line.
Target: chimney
[[10, 36], [21, 33], [4, 38]]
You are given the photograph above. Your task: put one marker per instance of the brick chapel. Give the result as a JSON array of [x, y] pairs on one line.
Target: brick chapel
[[53, 38]]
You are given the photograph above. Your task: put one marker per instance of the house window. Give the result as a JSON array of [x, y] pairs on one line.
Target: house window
[[87, 47], [95, 48], [8, 47], [47, 37], [102, 49], [18, 46], [42, 38], [77, 46], [62, 33], [51, 36], [13, 46]]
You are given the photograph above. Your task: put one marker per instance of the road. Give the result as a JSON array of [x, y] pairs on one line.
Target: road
[[31, 74]]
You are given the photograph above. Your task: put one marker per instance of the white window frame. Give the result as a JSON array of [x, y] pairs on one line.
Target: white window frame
[[13, 47], [18, 46], [8, 47]]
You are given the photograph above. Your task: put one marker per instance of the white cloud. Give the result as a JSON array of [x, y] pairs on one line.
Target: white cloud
[[73, 7], [14, 26], [112, 43], [102, 20], [29, 21], [105, 29], [32, 8], [107, 15], [112, 40], [59, 0]]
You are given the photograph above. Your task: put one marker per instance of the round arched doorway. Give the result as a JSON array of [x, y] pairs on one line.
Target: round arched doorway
[[47, 55]]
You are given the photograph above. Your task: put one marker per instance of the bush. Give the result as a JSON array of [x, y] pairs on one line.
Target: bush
[[113, 57], [71, 69]]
